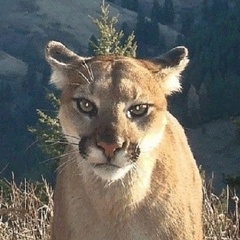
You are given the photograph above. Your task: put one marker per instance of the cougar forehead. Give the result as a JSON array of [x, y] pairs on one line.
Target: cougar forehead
[[122, 79]]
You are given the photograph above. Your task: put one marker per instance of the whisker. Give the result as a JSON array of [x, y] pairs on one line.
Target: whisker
[[60, 156], [77, 170], [3, 169], [47, 110], [67, 135], [83, 76], [133, 169], [122, 183], [52, 143], [65, 164], [71, 160], [90, 72], [55, 142], [95, 178], [75, 84], [31, 145], [108, 183]]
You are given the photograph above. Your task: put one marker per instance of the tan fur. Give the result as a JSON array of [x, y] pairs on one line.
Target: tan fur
[[155, 196]]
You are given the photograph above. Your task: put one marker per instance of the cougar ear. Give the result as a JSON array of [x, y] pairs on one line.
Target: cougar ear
[[172, 64], [63, 62]]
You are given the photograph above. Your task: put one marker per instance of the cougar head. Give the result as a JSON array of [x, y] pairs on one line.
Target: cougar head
[[113, 108]]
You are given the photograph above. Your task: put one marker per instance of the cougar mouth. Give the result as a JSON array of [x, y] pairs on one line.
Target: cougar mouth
[[105, 165]]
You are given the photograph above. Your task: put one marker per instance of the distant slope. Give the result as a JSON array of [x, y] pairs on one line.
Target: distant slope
[[58, 19], [75, 16], [216, 148], [69, 21], [177, 3]]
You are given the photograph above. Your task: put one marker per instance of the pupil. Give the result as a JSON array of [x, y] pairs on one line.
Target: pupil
[[87, 105]]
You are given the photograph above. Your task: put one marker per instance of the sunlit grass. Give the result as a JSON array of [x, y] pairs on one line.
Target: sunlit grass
[[26, 211]]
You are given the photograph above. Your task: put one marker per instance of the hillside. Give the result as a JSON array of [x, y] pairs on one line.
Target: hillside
[[216, 148], [56, 19], [41, 20]]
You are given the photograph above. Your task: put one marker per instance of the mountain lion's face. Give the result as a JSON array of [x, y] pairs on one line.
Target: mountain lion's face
[[118, 115], [113, 109]]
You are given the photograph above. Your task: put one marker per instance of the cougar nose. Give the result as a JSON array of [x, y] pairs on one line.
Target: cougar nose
[[109, 148]]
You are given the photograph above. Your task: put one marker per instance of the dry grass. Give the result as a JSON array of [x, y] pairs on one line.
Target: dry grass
[[26, 212], [220, 213]]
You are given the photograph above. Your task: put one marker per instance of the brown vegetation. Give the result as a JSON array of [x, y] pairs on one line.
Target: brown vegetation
[[26, 211], [220, 213]]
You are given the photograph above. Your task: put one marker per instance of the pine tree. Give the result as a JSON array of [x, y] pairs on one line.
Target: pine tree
[[187, 24], [157, 12], [126, 32], [140, 27], [225, 6], [110, 40], [132, 5], [135, 5], [92, 42], [6, 99], [150, 41], [152, 32], [193, 106], [205, 10], [168, 12], [48, 130], [219, 8]]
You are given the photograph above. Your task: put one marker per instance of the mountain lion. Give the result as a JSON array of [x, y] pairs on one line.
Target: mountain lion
[[128, 172]]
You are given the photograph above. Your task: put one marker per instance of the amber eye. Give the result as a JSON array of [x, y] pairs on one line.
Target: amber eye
[[138, 110], [86, 106]]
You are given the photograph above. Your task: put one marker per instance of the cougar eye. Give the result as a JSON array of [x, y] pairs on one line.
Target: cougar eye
[[86, 106], [138, 110]]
